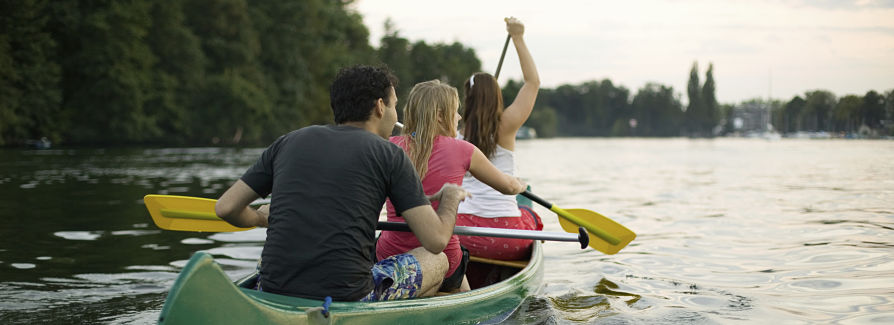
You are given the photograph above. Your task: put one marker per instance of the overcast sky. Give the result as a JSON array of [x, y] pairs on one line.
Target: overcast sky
[[759, 48]]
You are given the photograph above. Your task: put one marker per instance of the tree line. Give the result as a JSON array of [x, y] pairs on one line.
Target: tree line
[[821, 110], [200, 72], [190, 72], [603, 109]]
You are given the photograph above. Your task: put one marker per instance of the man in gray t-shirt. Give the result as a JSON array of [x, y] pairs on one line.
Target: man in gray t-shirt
[[328, 185]]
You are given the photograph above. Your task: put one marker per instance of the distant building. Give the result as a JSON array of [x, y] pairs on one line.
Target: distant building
[[751, 117]]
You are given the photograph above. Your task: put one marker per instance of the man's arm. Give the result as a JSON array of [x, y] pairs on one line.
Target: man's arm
[[433, 229], [233, 207]]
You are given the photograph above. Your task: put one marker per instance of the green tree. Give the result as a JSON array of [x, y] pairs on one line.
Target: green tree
[[846, 116], [792, 115], [394, 51], [543, 120], [889, 112], [817, 110], [231, 45], [873, 109], [587, 109], [695, 109], [416, 62], [282, 34], [657, 111], [232, 104], [29, 75], [777, 114], [709, 100], [9, 122], [106, 75], [457, 63], [178, 72], [332, 36], [889, 106]]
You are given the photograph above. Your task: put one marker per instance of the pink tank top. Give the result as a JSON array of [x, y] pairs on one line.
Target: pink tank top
[[449, 161]]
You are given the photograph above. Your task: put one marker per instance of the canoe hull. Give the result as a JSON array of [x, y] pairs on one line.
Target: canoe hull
[[204, 294]]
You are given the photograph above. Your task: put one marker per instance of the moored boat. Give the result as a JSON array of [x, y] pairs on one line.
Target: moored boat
[[203, 294]]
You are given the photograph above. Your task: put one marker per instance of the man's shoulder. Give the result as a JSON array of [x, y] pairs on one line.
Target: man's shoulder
[[350, 138], [310, 129]]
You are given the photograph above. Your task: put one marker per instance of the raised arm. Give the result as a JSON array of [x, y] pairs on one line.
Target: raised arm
[[433, 229], [515, 115], [233, 207], [487, 173]]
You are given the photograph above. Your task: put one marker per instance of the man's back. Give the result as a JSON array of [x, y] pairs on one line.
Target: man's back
[[328, 185]]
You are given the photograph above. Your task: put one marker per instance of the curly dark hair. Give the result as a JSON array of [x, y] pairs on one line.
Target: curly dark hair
[[355, 90]]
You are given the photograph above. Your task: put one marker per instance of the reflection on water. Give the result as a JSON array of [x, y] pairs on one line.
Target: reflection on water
[[728, 230]]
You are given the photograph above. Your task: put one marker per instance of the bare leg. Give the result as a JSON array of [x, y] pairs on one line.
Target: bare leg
[[465, 286], [434, 267], [462, 288]]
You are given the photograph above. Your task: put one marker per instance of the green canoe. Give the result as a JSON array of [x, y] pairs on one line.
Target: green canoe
[[203, 294]]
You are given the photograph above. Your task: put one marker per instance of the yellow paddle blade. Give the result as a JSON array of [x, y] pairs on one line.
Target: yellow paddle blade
[[594, 219], [184, 213]]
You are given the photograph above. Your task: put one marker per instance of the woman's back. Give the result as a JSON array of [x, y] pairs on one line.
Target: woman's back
[[449, 162], [487, 202]]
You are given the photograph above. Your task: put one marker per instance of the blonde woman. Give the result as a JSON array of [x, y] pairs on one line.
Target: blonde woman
[[429, 139], [491, 128]]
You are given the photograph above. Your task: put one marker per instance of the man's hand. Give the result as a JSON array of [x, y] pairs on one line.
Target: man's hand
[[264, 215], [434, 228], [450, 192]]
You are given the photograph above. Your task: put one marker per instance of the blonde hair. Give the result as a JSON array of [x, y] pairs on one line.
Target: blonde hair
[[430, 111], [482, 109]]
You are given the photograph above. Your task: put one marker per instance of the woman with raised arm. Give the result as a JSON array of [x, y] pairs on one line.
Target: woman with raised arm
[[429, 139], [491, 128]]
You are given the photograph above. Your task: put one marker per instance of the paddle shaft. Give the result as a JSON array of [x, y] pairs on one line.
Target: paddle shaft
[[205, 217], [581, 237], [502, 56], [565, 214]]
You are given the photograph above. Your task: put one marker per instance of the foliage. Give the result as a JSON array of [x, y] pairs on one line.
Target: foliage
[[702, 112], [657, 111], [29, 75], [171, 72], [240, 72], [821, 110], [417, 62]]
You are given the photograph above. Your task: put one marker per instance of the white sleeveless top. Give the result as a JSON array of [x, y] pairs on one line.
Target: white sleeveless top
[[487, 202]]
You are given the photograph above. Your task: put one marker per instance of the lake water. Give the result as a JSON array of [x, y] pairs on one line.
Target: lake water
[[729, 231]]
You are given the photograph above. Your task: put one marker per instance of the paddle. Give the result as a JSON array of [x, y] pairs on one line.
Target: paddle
[[503, 55], [610, 236], [184, 213]]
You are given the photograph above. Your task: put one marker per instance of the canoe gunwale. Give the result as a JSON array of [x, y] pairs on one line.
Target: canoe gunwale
[[495, 301], [524, 275]]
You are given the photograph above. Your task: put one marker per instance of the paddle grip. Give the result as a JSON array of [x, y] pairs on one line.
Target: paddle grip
[[537, 199]]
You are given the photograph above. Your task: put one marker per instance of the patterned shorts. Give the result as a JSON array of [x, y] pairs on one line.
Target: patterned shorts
[[396, 277]]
